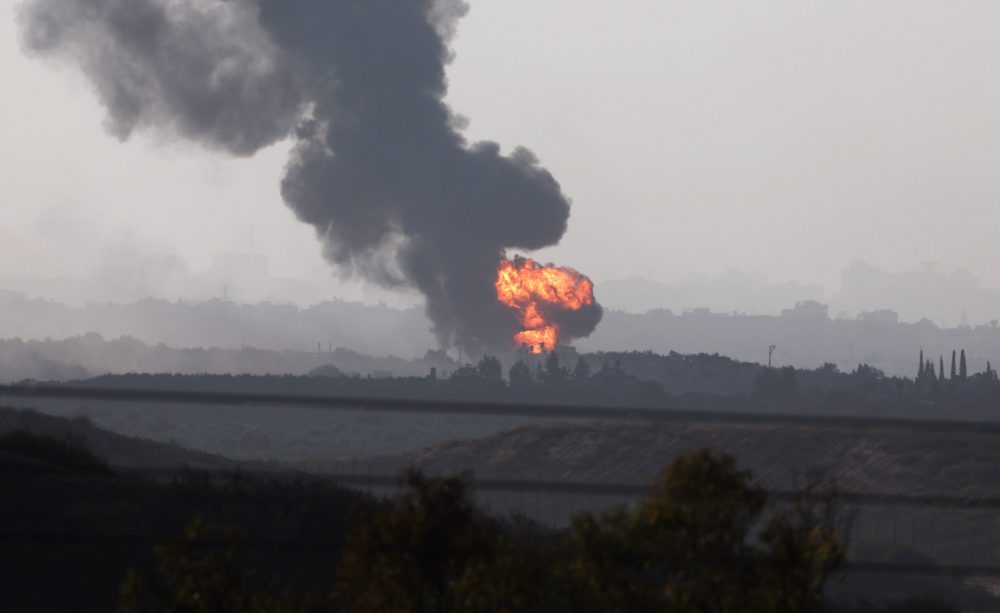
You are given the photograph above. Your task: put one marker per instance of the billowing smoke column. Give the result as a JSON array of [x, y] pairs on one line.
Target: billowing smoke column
[[378, 166]]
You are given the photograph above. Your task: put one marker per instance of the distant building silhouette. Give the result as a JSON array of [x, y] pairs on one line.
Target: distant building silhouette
[[807, 309], [881, 316]]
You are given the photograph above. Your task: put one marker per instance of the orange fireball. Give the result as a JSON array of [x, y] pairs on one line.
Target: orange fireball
[[532, 289]]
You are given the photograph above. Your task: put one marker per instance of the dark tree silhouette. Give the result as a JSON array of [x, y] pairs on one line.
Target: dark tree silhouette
[[520, 375], [204, 572], [431, 549], [490, 368], [688, 547], [774, 382], [553, 372]]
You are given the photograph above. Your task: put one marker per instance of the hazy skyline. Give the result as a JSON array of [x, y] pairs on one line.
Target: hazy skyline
[[782, 138]]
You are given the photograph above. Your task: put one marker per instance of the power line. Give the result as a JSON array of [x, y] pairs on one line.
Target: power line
[[557, 487]]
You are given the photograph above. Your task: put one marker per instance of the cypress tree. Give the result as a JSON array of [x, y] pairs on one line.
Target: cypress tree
[[941, 368], [963, 370], [920, 370], [953, 370]]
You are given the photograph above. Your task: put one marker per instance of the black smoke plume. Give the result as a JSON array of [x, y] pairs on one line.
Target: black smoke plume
[[379, 167]]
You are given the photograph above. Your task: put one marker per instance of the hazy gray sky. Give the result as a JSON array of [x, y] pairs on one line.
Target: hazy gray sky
[[784, 137]]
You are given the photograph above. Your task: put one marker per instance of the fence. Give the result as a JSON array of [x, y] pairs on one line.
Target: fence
[[957, 533]]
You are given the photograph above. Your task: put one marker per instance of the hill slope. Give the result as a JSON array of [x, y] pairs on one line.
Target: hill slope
[[118, 450], [884, 461]]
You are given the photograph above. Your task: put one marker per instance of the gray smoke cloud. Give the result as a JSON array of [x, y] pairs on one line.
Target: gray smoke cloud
[[379, 167]]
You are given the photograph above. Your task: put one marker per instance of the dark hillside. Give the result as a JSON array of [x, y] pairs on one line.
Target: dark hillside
[[116, 449], [883, 461], [72, 527]]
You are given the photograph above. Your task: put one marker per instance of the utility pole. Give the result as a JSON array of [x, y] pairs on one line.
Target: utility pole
[[770, 351]]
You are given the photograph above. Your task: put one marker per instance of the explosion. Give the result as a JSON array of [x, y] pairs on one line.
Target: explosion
[[378, 165], [539, 294]]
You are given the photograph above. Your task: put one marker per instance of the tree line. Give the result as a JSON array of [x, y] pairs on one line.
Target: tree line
[[705, 539]]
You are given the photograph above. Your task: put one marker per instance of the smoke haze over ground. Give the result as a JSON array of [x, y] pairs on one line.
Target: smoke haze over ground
[[378, 167], [692, 138]]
